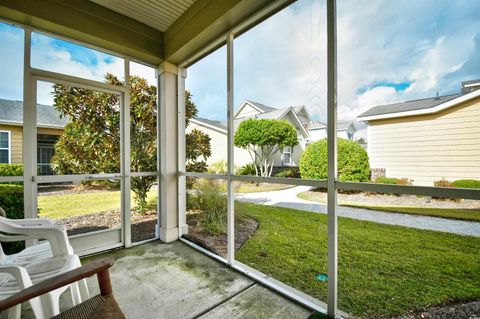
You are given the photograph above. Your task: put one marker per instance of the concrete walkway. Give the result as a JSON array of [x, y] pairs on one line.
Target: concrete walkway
[[288, 198], [174, 281]]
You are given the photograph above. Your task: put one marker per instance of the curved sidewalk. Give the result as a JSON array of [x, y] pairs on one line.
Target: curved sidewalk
[[288, 198]]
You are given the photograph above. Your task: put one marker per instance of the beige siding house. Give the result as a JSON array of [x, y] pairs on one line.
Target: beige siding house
[[429, 139], [49, 128], [297, 116]]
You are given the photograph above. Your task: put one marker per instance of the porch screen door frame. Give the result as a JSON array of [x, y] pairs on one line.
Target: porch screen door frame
[[95, 241]]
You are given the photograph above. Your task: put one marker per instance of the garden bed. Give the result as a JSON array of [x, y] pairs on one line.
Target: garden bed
[[244, 229], [142, 225]]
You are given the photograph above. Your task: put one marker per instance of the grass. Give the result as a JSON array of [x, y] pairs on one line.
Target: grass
[[70, 205], [258, 187], [384, 270], [450, 213]]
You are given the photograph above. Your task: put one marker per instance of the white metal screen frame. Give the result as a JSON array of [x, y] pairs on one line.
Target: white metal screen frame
[[332, 184], [30, 179]]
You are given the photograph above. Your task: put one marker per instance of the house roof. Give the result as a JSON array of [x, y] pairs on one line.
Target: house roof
[[261, 107], [409, 105], [211, 123], [11, 112]]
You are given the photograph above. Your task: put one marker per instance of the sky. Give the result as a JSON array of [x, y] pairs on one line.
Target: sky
[[388, 51], [55, 55]]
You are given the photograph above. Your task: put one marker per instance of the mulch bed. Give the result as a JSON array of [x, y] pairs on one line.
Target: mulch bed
[[244, 229], [469, 310], [142, 225]]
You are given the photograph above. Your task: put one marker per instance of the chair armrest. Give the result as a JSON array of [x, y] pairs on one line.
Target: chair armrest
[[56, 236], [33, 222], [99, 267], [19, 273]]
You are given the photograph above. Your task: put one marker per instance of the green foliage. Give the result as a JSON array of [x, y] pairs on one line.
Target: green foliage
[[11, 201], [210, 199], [197, 149], [11, 170], [466, 183], [220, 167], [353, 165], [393, 180], [288, 173], [247, 169], [263, 138], [90, 143]]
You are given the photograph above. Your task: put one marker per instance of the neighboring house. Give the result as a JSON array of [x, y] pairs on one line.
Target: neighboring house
[[318, 131], [298, 116], [49, 129], [427, 139]]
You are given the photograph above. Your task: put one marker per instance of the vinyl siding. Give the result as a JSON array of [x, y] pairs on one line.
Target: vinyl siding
[[427, 148], [16, 139]]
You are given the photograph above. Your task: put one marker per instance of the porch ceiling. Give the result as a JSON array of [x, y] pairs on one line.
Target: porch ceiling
[[158, 14], [151, 31]]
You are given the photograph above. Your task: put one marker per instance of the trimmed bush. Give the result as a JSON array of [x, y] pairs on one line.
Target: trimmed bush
[[353, 165], [11, 170], [393, 180], [11, 200], [466, 183], [247, 169]]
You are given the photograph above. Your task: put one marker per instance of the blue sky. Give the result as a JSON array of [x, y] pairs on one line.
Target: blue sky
[[388, 51]]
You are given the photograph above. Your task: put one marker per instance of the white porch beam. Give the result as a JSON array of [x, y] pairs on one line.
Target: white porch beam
[[167, 128]]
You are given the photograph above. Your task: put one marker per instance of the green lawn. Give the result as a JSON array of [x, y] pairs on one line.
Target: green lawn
[[384, 270], [69, 205], [451, 213]]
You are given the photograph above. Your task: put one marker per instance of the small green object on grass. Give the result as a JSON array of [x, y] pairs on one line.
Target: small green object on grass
[[322, 277]]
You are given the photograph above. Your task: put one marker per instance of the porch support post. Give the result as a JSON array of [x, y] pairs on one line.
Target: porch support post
[[167, 127], [182, 182], [332, 159]]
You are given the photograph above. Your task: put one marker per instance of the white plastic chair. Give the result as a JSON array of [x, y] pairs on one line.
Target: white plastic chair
[[15, 278], [37, 263]]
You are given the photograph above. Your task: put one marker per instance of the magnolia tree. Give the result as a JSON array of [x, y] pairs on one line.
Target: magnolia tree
[[263, 138], [90, 143]]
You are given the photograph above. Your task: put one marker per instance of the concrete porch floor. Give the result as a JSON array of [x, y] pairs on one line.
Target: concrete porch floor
[[158, 280]]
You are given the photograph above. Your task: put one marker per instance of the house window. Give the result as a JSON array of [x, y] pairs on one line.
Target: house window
[[5, 147], [287, 155]]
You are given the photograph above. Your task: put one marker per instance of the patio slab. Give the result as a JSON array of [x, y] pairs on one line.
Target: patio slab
[[258, 302], [173, 280]]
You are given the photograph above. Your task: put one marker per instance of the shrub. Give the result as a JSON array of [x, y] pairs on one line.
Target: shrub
[[353, 165], [393, 180], [263, 138], [288, 173], [442, 183], [11, 170], [466, 183], [210, 199], [220, 167], [11, 200], [247, 169]]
